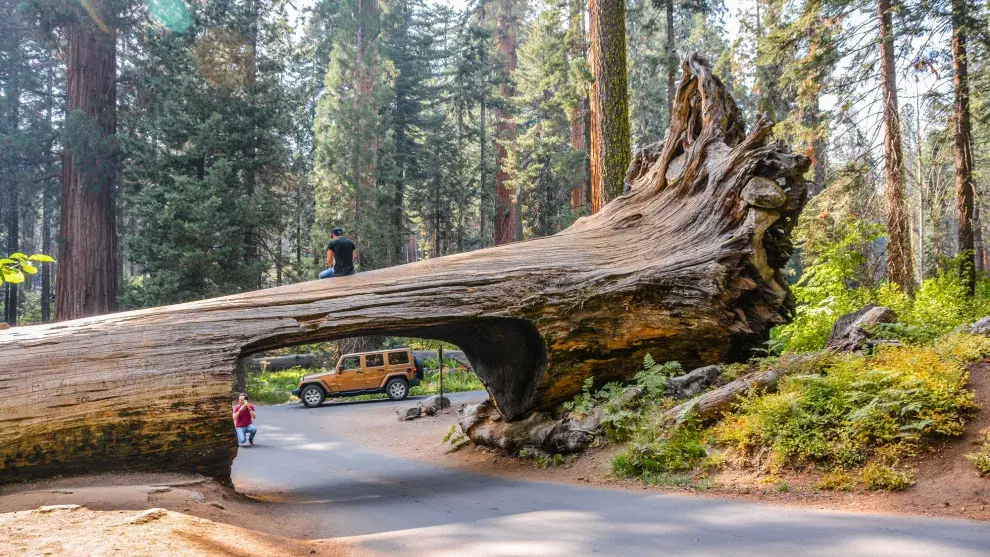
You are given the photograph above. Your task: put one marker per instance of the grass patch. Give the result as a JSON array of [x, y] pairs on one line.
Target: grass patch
[[859, 416], [543, 460], [273, 387], [880, 477], [836, 480], [981, 458], [858, 407]]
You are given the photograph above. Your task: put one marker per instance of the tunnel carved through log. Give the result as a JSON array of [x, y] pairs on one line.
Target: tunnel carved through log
[[685, 266]]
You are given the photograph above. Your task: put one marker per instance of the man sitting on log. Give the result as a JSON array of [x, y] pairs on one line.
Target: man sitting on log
[[340, 255]]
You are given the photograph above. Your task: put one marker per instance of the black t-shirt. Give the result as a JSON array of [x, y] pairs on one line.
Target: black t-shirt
[[343, 255]]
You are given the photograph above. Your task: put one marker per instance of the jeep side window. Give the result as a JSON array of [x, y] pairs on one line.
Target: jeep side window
[[374, 360], [352, 362], [397, 358]]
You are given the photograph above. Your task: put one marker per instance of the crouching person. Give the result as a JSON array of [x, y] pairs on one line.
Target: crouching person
[[244, 422]]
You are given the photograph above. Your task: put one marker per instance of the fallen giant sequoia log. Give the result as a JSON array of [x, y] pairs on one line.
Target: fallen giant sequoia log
[[685, 266]]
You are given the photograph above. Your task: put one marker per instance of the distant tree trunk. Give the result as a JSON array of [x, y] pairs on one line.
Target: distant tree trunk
[[46, 202], [87, 267], [965, 194], [610, 150], [506, 210], [898, 238], [577, 120], [671, 58], [13, 97], [978, 238], [13, 196], [10, 301], [251, 153]]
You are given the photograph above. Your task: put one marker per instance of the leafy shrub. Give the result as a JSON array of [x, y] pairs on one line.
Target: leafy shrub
[[660, 451], [880, 477], [856, 406], [273, 387], [542, 459], [654, 377], [836, 480], [981, 458]]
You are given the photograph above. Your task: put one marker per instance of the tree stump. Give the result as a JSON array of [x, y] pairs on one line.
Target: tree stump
[[686, 266]]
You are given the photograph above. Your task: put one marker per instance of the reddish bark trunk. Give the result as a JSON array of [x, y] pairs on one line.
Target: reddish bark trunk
[[505, 129], [87, 269]]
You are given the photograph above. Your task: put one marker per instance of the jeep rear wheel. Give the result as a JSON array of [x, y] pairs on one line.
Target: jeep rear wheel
[[312, 396], [397, 389]]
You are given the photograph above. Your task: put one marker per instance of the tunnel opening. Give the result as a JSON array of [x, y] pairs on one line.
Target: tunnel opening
[[507, 355]]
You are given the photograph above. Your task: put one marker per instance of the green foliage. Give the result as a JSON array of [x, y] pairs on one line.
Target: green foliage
[[654, 377], [13, 268], [542, 459], [453, 382], [654, 452], [454, 436], [880, 477], [981, 457], [836, 480], [859, 406], [838, 279], [273, 387]]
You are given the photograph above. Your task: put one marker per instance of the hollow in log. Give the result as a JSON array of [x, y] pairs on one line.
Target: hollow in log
[[686, 267]]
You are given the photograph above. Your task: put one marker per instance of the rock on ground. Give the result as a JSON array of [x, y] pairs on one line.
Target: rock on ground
[[409, 412], [483, 424], [849, 333], [693, 383], [436, 402]]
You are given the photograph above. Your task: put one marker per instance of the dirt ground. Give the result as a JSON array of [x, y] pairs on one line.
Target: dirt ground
[[947, 484], [149, 514]]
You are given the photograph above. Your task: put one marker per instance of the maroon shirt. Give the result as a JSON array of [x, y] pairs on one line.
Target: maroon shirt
[[242, 415]]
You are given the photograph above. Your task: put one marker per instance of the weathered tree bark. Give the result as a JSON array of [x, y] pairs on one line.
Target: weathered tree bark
[[610, 141], [898, 233], [685, 267], [965, 194], [87, 262]]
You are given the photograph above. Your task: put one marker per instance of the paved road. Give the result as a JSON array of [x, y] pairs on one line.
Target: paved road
[[401, 507]]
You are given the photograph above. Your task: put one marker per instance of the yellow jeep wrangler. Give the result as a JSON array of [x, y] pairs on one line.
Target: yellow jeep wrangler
[[384, 371]]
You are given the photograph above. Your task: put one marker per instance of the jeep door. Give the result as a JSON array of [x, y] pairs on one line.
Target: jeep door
[[374, 370], [350, 377], [399, 362]]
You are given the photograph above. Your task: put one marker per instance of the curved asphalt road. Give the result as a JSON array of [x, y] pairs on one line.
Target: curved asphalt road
[[401, 507]]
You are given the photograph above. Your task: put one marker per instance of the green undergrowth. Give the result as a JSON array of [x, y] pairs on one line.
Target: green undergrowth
[[275, 387], [981, 457], [856, 419]]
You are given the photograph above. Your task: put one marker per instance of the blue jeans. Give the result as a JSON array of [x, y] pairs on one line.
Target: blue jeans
[[246, 434], [327, 274]]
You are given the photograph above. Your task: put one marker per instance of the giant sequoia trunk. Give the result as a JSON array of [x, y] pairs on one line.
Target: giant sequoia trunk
[[686, 267], [87, 260]]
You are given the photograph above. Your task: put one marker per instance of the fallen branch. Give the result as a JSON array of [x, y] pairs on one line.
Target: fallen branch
[[714, 403]]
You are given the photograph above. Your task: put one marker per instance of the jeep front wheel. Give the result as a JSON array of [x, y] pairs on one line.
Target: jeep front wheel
[[397, 389], [312, 396]]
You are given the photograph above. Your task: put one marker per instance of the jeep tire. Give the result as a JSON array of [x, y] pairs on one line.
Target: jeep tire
[[312, 396], [397, 389]]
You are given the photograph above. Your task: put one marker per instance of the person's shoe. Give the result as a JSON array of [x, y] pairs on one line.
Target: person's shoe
[[251, 444]]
